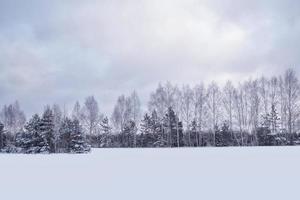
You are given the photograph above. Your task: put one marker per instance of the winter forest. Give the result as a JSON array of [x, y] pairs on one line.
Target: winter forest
[[256, 112]]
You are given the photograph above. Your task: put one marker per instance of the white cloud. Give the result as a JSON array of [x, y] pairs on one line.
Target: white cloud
[[63, 51]]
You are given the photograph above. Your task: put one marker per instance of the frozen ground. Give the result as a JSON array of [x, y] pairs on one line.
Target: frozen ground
[[141, 174]]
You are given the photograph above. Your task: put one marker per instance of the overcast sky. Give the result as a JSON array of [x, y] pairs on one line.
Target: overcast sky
[[59, 51]]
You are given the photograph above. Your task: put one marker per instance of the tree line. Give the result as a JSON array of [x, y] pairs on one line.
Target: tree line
[[43, 134], [261, 111]]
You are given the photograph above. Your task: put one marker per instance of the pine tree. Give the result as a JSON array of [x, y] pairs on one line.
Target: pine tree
[[46, 132], [105, 137], [127, 135], [172, 128], [223, 136], [169, 125], [271, 120], [147, 132], [22, 141], [157, 130], [29, 139], [146, 124], [268, 133], [78, 143], [65, 132], [274, 120]]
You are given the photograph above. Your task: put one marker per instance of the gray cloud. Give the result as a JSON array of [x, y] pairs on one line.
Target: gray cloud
[[60, 51]]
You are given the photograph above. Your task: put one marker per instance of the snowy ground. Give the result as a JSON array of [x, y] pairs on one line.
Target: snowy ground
[[203, 173]]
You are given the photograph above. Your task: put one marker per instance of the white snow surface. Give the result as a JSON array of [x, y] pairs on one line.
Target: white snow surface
[[142, 174]]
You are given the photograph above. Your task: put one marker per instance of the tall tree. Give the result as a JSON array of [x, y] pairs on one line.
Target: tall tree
[[13, 117], [264, 90], [77, 112], [200, 108], [274, 120], [136, 111], [214, 102], [91, 116], [291, 83], [106, 134], [170, 124], [57, 120], [78, 142], [187, 111], [157, 130], [162, 99], [228, 103], [156, 101], [128, 133], [136, 106], [47, 132], [121, 113], [33, 136], [146, 131], [274, 91], [283, 105], [66, 128], [240, 110], [253, 109]]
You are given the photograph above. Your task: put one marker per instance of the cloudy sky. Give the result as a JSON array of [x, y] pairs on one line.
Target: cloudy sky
[[59, 51]]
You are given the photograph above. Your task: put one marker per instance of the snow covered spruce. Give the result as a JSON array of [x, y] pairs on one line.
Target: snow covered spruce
[[40, 136], [258, 112]]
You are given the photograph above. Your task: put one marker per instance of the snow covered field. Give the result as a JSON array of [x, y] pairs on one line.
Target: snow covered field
[[203, 173]]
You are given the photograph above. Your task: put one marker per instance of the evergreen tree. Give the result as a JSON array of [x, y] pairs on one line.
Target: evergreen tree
[[22, 141], [274, 120], [46, 132], [223, 136], [147, 132], [65, 132], [146, 124], [271, 120], [169, 125], [29, 139], [263, 136], [268, 133], [172, 128], [127, 135], [78, 143], [105, 139], [157, 130]]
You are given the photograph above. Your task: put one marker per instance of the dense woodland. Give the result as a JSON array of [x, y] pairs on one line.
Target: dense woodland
[[257, 112]]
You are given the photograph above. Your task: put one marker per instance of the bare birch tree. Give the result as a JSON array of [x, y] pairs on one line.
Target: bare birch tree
[[91, 116], [187, 108], [291, 85], [213, 103], [200, 98], [228, 97]]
